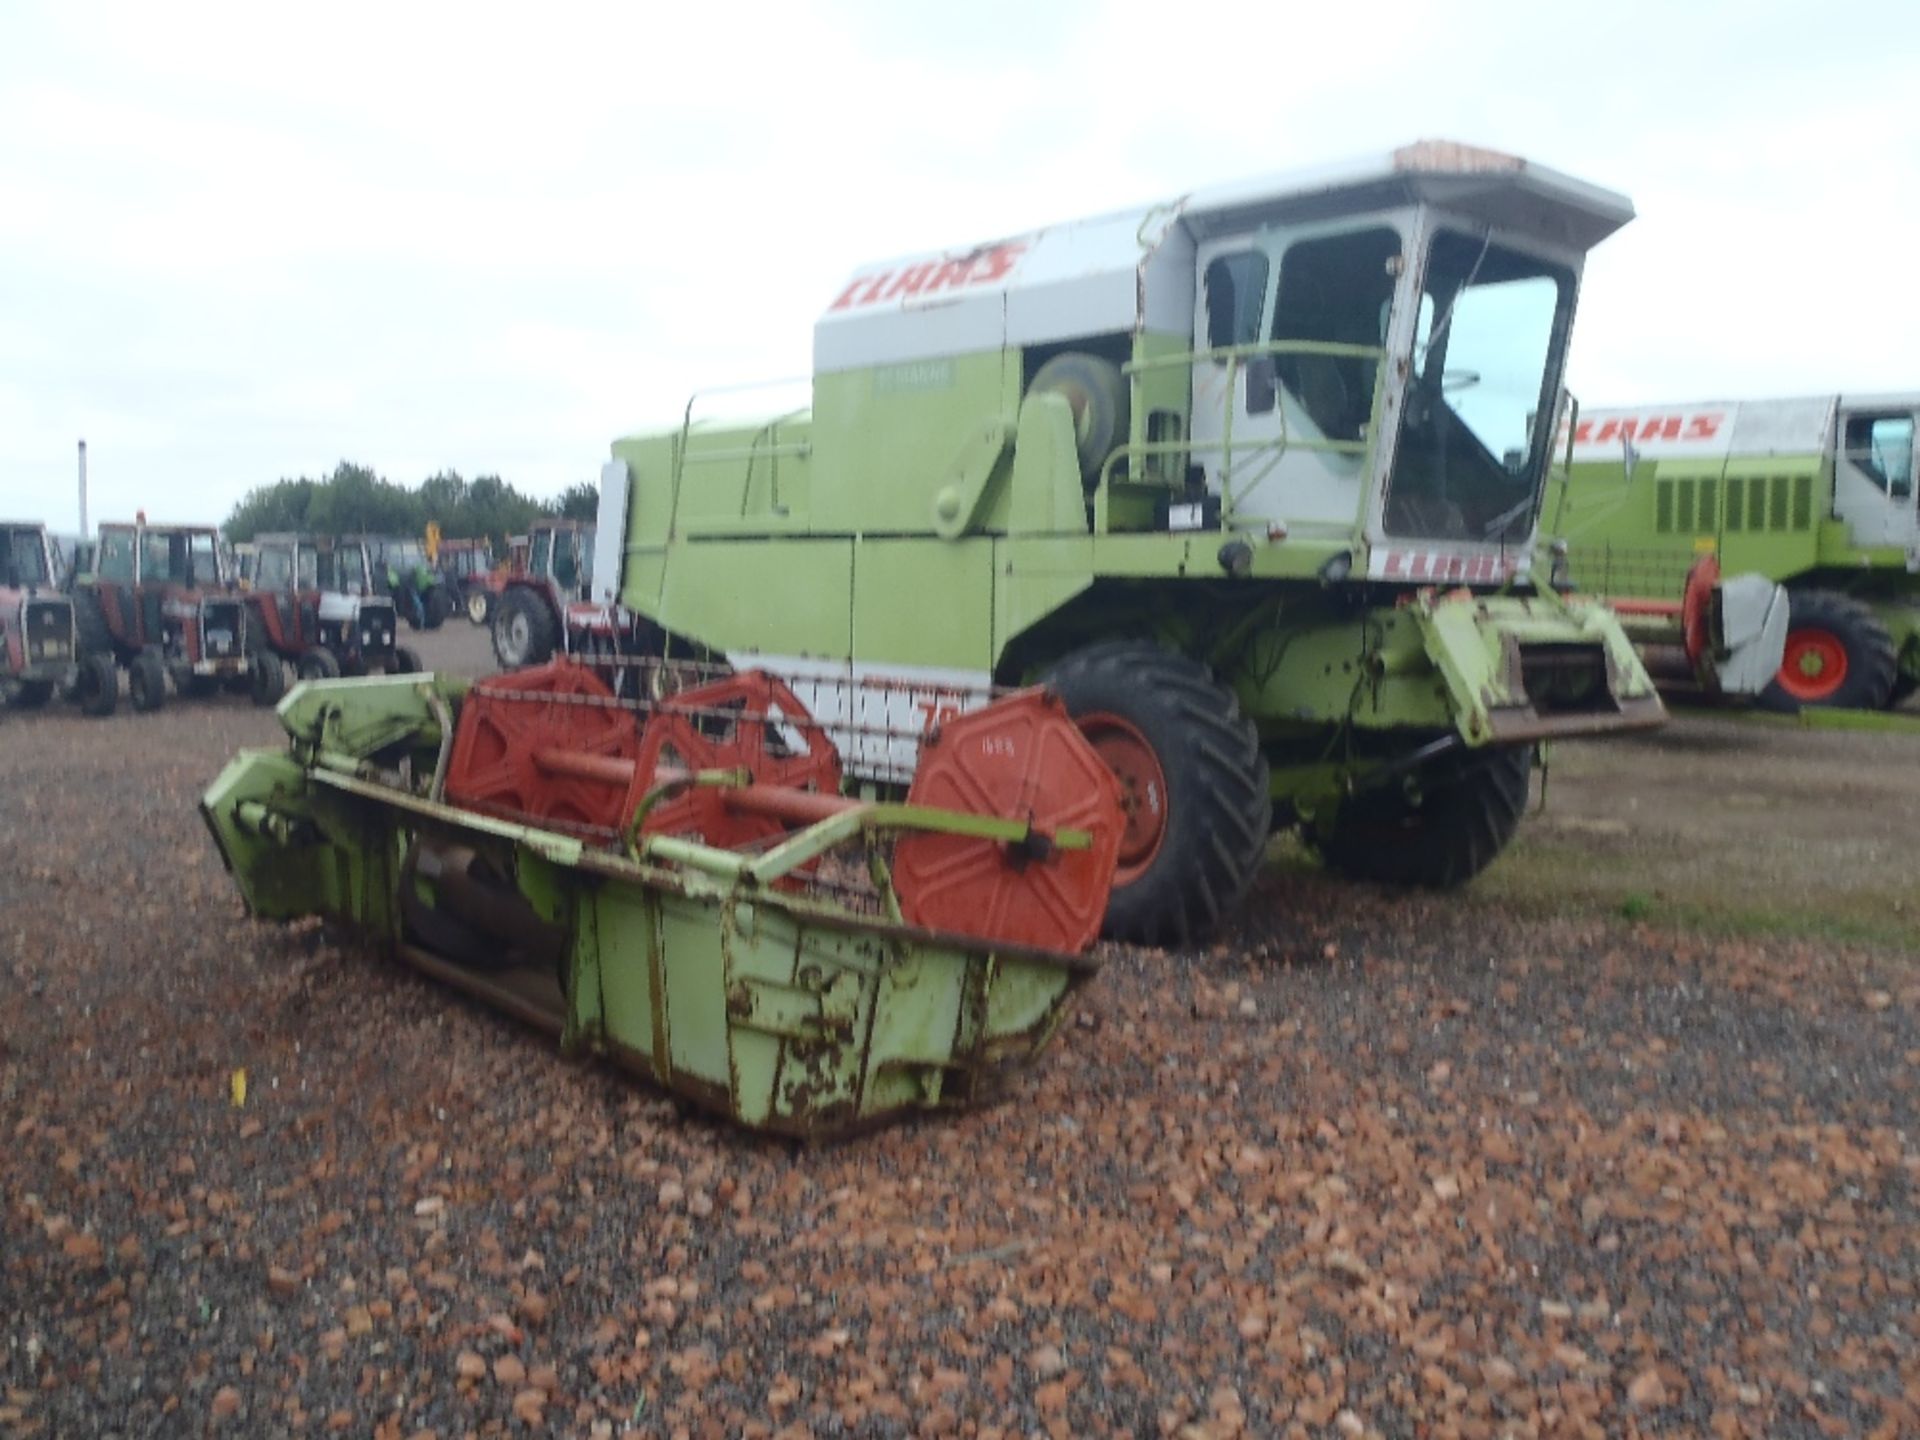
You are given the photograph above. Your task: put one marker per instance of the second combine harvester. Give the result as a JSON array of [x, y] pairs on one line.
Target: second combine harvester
[[1250, 478]]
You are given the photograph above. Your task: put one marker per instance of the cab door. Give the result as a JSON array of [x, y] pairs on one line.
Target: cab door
[[1874, 485], [1286, 429]]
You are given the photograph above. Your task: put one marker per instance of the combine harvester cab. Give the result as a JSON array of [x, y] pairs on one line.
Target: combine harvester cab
[[680, 886], [162, 602], [1818, 495], [1252, 477], [314, 611], [39, 650]]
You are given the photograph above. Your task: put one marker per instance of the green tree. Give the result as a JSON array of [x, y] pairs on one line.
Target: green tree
[[580, 501]]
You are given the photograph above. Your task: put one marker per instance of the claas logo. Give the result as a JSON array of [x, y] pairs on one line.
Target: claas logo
[[932, 277]]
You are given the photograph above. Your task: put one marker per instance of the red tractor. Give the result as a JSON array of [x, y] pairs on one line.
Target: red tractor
[[468, 568], [313, 606], [161, 602], [544, 608], [37, 649]]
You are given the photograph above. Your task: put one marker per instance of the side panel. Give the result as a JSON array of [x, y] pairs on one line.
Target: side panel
[[888, 439], [924, 602], [790, 596]]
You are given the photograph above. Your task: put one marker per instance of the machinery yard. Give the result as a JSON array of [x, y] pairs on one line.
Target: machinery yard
[[1617, 1139]]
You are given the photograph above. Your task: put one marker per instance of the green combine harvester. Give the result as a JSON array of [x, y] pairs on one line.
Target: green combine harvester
[[1251, 477], [1817, 494], [1101, 552]]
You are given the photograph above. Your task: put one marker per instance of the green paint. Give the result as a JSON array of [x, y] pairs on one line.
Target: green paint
[[783, 1009]]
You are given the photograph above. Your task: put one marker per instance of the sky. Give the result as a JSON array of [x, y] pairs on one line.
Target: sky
[[240, 241]]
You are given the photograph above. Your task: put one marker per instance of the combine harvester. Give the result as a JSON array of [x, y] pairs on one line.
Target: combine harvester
[[1251, 478], [1818, 495], [681, 886]]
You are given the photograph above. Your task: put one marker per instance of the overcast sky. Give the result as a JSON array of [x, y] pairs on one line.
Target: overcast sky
[[237, 245]]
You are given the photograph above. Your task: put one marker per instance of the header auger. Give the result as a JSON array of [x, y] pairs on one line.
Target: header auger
[[680, 886]]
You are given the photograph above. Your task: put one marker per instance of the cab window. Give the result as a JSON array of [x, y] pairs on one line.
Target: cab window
[[1236, 290], [1882, 447], [1335, 290], [273, 569], [116, 555]]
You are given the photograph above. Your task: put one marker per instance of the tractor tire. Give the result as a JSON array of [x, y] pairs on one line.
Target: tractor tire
[[90, 624], [437, 605], [1839, 657], [525, 630], [96, 686], [1903, 687], [267, 678], [1466, 813], [1097, 394], [404, 661], [1192, 779], [319, 663], [147, 681], [480, 606], [30, 694]]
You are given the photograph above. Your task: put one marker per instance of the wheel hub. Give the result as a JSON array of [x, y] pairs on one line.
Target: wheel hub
[[1815, 664], [1143, 789]]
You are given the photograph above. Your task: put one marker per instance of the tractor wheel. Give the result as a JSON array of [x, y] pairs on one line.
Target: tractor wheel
[[31, 694], [1097, 394], [1903, 687], [480, 606], [1839, 656], [97, 684], [525, 630], [90, 624], [404, 661], [267, 678], [318, 663], [437, 606], [1463, 815], [1193, 784], [147, 681]]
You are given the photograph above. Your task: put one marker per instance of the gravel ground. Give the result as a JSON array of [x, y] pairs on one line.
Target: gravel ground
[[1373, 1164]]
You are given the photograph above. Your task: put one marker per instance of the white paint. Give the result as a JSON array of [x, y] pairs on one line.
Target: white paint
[[610, 531], [854, 702]]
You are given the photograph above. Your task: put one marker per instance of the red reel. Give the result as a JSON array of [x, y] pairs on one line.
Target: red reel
[[493, 767], [1696, 603], [749, 721], [1021, 758]]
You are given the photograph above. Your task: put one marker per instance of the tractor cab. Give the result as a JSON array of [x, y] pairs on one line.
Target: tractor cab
[[37, 646], [316, 607], [405, 573], [561, 553], [1874, 483]]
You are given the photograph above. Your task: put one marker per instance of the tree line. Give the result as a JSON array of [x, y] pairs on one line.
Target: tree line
[[353, 501]]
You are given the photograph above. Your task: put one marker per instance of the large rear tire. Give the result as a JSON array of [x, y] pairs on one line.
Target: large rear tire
[[1192, 779], [97, 685], [525, 629], [1839, 657], [1439, 834], [437, 605]]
